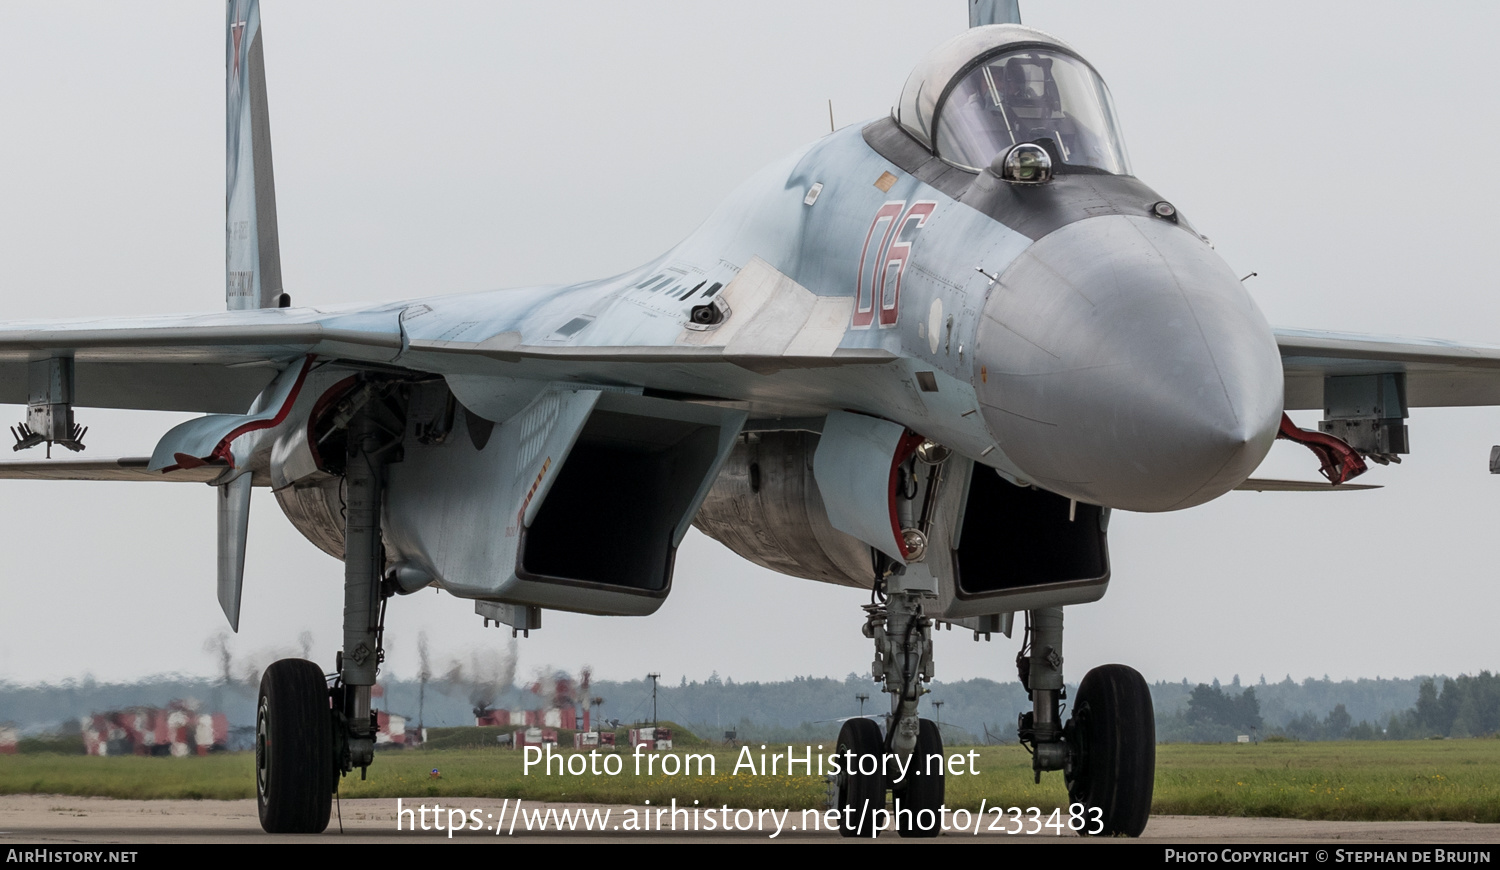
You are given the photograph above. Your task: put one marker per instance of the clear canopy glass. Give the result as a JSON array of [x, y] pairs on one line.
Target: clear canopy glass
[[1024, 96]]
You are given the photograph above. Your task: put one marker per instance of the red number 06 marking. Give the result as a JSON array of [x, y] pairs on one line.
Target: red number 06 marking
[[886, 262]]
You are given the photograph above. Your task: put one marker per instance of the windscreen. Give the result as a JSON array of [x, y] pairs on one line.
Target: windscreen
[[1023, 96]]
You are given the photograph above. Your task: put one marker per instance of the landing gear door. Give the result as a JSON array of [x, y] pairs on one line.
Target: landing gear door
[[855, 468]]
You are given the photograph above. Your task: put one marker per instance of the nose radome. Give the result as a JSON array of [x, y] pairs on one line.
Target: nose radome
[[1122, 364]]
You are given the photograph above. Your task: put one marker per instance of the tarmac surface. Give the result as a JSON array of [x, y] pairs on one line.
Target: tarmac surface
[[60, 821]]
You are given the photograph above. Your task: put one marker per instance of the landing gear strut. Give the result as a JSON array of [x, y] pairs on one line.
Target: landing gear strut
[[1107, 748], [908, 762], [899, 763], [369, 443], [306, 734]]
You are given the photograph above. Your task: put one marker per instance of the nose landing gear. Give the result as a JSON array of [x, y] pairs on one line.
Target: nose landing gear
[[1107, 748], [1112, 738]]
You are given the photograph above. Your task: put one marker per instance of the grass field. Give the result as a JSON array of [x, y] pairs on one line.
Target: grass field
[[1456, 780]]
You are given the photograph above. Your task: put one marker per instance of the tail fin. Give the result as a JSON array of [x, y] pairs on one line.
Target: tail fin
[[253, 251], [983, 12]]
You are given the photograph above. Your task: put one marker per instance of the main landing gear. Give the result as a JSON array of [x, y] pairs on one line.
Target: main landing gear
[[908, 761], [307, 734]]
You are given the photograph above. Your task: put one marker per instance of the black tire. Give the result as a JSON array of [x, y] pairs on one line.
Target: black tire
[[1113, 764], [861, 795], [923, 791], [294, 773]]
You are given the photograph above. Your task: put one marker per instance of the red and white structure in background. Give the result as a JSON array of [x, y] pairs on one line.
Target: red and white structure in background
[[178, 730], [9, 737], [390, 728], [390, 731], [651, 738], [593, 739], [535, 736], [560, 699]]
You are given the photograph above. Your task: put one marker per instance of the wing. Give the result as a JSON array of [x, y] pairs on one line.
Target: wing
[[213, 363], [1438, 373], [129, 468], [219, 362]]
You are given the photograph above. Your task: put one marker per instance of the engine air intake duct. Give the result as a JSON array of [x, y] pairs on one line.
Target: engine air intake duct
[[612, 515], [1020, 539]]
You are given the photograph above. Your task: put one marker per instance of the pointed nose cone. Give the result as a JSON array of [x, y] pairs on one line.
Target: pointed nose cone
[[1122, 364]]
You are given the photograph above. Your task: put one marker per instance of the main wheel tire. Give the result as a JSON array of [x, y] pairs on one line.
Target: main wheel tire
[[1113, 768], [294, 773], [923, 790], [861, 795]]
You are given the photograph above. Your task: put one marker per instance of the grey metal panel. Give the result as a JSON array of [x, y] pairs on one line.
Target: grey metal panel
[[316, 509], [494, 397], [659, 354], [132, 468], [982, 12], [1312, 344], [234, 525], [1072, 195], [210, 341], [457, 511], [893, 142], [1125, 365], [185, 362], [765, 506], [200, 437], [1267, 484], [209, 389], [853, 466], [252, 261], [1438, 373], [267, 237], [1031, 598]]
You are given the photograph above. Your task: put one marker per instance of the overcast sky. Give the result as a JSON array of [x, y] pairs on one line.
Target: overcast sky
[[1346, 152]]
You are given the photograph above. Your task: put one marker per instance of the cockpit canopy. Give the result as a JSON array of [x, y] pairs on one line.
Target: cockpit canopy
[[997, 86]]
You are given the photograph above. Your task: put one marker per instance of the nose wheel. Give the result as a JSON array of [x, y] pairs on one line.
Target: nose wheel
[[1112, 758]]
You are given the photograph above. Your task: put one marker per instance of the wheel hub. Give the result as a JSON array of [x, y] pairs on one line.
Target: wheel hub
[[262, 750]]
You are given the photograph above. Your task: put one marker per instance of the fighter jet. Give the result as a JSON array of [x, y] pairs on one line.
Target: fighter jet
[[925, 356]]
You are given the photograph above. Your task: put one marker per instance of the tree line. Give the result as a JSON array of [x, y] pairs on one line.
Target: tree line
[[1465, 706]]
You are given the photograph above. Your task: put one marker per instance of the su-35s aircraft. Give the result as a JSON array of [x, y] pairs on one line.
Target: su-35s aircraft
[[924, 356]]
